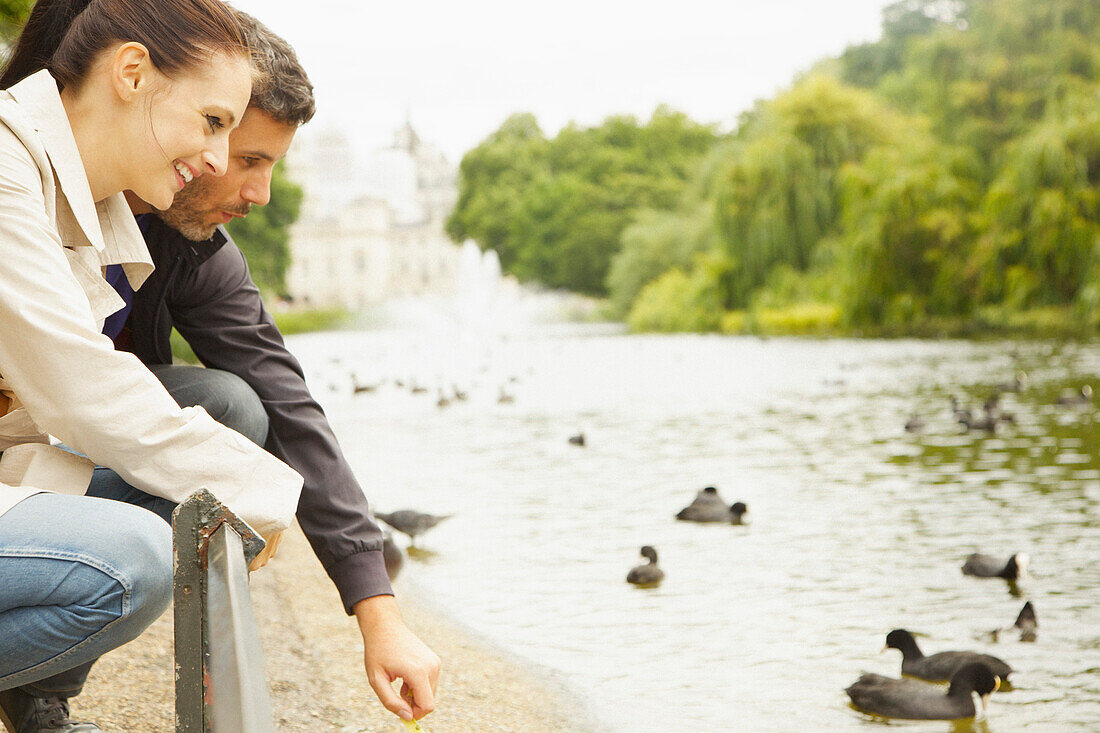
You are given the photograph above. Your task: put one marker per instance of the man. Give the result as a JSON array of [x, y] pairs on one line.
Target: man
[[201, 285]]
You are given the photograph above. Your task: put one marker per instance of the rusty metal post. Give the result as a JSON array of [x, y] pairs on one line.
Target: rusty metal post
[[220, 686]]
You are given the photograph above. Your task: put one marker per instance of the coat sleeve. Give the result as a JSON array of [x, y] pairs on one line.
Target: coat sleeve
[[217, 308], [102, 402]]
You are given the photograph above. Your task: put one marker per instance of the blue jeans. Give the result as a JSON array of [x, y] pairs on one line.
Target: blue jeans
[[81, 575]]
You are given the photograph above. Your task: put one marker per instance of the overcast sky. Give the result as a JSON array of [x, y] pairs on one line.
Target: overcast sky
[[460, 68]]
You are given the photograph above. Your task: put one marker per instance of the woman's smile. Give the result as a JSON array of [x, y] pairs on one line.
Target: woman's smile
[[184, 173]]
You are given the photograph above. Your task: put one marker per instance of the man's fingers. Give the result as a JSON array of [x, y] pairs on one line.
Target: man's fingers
[[389, 697], [421, 691]]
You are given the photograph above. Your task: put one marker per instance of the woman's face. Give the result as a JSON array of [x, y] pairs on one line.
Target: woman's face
[[188, 121]]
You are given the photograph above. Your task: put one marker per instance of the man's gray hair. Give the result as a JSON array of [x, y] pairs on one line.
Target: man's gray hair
[[283, 90]]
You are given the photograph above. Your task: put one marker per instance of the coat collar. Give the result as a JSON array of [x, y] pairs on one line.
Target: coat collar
[[107, 226], [41, 103]]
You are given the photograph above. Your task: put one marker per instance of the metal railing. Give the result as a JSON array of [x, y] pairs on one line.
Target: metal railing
[[220, 684]]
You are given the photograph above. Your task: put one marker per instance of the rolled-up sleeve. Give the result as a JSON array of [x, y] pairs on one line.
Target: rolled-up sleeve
[[102, 402]]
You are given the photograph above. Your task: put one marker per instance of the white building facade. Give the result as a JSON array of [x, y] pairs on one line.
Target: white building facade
[[373, 230]]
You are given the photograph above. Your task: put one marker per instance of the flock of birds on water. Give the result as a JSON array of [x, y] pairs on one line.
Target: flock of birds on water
[[992, 415], [919, 694], [967, 673]]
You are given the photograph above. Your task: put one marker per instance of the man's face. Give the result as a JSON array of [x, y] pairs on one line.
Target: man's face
[[255, 146]]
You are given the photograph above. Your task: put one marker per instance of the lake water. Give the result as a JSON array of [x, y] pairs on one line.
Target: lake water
[[858, 526]]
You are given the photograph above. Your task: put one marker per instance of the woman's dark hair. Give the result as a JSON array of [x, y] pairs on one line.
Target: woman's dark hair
[[65, 36]]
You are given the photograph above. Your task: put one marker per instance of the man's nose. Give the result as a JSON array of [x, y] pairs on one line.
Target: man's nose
[[257, 190]]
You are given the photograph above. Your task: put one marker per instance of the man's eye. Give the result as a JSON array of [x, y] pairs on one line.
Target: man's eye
[[214, 122], [249, 162]]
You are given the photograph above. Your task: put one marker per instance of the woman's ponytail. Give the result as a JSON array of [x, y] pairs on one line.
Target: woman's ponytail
[[46, 27]]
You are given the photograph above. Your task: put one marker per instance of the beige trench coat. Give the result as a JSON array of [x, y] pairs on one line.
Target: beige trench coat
[[59, 375]]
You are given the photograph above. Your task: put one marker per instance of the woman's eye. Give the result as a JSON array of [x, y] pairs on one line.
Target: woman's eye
[[214, 122]]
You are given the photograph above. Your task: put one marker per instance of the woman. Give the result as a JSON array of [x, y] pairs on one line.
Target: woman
[[102, 96]]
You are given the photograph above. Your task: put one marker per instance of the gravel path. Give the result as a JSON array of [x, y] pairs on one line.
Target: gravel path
[[314, 660]]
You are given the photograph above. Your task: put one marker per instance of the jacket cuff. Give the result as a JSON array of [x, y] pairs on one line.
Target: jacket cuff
[[358, 576]]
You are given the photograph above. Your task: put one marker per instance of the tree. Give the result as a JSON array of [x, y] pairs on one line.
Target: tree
[[905, 229], [13, 14], [264, 235], [1041, 216], [492, 178], [779, 196], [657, 241], [554, 210], [865, 65]]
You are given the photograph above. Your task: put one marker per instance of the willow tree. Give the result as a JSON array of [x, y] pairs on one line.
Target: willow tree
[[1042, 215], [779, 198], [658, 241], [906, 228], [986, 81]]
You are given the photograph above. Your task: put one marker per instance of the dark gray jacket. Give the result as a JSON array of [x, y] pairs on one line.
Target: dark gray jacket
[[205, 291]]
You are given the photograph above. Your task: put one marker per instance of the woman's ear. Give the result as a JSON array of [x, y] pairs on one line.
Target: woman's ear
[[132, 70]]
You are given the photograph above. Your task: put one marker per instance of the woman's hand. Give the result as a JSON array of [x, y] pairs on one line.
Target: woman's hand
[[268, 552]]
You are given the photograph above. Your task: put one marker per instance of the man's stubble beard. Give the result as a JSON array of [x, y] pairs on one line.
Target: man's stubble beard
[[184, 215], [188, 212]]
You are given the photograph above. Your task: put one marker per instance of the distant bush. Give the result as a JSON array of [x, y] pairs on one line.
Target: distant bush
[[290, 322], [305, 321], [800, 319], [676, 302]]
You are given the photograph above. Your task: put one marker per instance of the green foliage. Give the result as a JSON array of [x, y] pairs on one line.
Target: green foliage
[[677, 301], [13, 14], [779, 197], [657, 241], [554, 210], [865, 65], [492, 178], [1042, 215], [987, 81], [945, 178], [264, 235], [904, 230], [289, 323], [799, 319]]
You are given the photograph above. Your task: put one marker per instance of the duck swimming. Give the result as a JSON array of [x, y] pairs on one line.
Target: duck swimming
[[1082, 396], [938, 667], [1027, 623], [709, 506], [648, 574], [706, 499], [986, 566], [736, 513], [890, 698], [1016, 385]]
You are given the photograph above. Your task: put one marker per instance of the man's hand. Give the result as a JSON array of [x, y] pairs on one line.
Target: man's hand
[[392, 651], [267, 553]]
